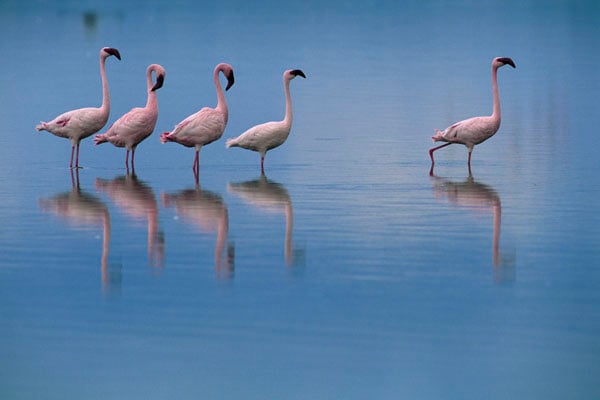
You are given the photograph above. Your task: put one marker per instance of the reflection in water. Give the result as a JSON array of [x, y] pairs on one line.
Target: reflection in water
[[271, 197], [478, 197], [207, 211], [136, 199], [81, 208]]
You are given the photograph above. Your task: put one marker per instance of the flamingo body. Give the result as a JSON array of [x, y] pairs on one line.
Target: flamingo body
[[135, 126], [473, 131], [264, 137], [79, 124], [206, 125]]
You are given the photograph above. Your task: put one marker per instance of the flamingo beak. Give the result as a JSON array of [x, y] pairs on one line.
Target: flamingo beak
[[160, 79], [507, 60], [297, 72], [230, 81], [113, 52]]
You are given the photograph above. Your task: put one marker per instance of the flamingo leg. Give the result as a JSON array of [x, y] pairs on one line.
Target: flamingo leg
[[436, 148], [469, 162], [132, 161], [77, 157], [72, 151], [196, 165], [262, 165]]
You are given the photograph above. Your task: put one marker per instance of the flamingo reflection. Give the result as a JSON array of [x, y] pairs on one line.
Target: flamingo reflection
[[207, 211], [137, 200], [271, 197], [82, 209], [475, 196]]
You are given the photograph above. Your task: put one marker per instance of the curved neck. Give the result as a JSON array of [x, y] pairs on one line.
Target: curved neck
[[151, 102], [496, 111], [221, 103], [288, 102], [105, 93]]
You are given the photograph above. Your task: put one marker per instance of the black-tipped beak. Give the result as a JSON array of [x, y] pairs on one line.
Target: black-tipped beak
[[509, 61], [298, 72], [113, 52], [160, 79], [230, 81]]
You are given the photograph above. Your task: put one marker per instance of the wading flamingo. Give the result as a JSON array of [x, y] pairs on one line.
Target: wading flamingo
[[78, 124], [267, 136], [208, 124], [135, 126], [473, 131]]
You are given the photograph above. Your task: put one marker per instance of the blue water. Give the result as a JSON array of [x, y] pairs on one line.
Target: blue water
[[347, 271]]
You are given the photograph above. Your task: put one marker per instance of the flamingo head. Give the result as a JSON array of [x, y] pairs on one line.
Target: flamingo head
[[227, 70], [292, 73], [500, 61], [110, 51], [160, 76]]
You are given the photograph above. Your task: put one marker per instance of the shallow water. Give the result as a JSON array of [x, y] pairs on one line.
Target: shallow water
[[347, 271]]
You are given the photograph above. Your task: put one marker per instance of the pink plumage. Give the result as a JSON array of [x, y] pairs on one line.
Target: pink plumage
[[206, 125], [473, 131], [135, 126], [78, 124]]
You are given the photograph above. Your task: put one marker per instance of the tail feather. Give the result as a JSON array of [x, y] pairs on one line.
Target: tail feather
[[231, 143], [164, 137], [439, 136], [41, 126], [99, 139]]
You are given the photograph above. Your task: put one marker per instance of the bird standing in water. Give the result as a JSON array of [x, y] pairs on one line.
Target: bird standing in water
[[135, 126], [267, 136], [208, 124], [473, 131], [78, 124]]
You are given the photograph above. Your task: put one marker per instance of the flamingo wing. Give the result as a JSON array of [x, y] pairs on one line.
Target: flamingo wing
[[201, 128], [131, 128]]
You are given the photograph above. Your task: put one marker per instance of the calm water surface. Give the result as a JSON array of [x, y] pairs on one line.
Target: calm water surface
[[347, 271]]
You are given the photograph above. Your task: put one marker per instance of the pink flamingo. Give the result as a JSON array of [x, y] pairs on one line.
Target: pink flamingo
[[76, 125], [267, 136], [135, 126], [208, 124], [473, 131]]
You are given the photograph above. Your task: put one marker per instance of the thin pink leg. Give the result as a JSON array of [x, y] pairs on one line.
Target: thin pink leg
[[437, 148], [262, 165], [127, 159], [132, 161], [72, 151], [77, 157], [469, 163], [196, 164]]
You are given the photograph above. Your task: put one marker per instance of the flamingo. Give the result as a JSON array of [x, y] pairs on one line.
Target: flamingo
[[267, 136], [473, 131], [76, 125], [206, 125], [135, 126]]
